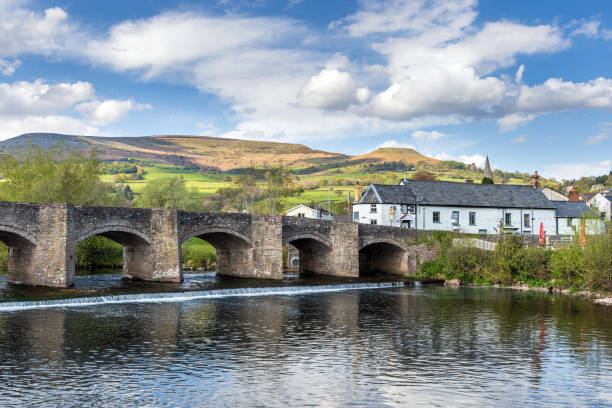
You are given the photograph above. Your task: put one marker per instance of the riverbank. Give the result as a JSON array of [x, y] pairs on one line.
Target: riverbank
[[602, 298]]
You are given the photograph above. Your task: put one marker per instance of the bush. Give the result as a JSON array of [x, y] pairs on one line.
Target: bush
[[97, 252], [432, 269], [466, 263], [199, 254]]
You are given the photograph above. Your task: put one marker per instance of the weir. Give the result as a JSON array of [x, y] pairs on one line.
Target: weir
[[42, 239], [186, 296]]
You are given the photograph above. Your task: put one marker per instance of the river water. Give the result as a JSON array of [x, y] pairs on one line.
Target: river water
[[368, 345]]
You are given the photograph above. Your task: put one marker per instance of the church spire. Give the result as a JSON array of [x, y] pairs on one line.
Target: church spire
[[487, 169]]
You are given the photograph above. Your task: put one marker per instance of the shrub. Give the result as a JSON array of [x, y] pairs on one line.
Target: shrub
[[199, 254]]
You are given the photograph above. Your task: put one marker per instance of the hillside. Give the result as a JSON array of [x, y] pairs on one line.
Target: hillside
[[394, 154], [184, 151]]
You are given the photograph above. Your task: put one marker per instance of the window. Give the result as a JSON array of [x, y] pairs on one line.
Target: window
[[455, 217], [482, 231], [404, 208], [526, 220], [301, 215], [472, 218], [373, 208], [356, 216], [508, 219], [436, 216], [373, 222]]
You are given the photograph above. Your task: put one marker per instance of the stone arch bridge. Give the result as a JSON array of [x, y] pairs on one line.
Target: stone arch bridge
[[42, 239]]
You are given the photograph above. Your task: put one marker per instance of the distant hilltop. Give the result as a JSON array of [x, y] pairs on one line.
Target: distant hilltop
[[209, 152]]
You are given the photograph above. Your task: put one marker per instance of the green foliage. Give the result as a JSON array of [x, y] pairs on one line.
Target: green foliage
[[198, 254], [168, 192], [571, 266], [97, 252], [54, 176], [487, 180]]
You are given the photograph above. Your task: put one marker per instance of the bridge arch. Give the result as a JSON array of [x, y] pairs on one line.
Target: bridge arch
[[234, 253], [21, 245], [314, 252], [382, 256], [136, 246]]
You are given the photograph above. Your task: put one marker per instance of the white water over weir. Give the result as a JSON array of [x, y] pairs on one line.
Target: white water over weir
[[186, 296]]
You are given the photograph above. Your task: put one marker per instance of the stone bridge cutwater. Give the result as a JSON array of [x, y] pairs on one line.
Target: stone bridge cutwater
[[42, 239]]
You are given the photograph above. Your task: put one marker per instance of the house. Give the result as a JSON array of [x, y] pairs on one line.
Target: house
[[553, 195], [386, 205], [308, 212], [602, 203], [461, 207], [569, 215]]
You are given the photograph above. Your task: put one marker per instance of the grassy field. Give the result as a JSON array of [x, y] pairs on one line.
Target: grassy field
[[208, 183]]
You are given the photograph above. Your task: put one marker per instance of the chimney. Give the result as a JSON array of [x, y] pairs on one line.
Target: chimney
[[573, 195], [357, 191]]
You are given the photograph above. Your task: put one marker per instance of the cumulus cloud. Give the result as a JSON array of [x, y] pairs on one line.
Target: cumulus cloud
[[332, 89], [25, 31], [570, 171], [394, 143], [477, 159], [39, 106], [110, 110], [423, 135]]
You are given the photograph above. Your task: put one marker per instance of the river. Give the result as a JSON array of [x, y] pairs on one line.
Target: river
[[303, 344]]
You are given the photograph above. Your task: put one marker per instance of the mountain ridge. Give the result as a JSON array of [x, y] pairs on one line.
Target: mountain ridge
[[207, 151]]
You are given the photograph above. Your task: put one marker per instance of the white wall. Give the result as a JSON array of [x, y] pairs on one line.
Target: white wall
[[307, 211], [601, 204], [592, 226], [381, 215], [486, 219]]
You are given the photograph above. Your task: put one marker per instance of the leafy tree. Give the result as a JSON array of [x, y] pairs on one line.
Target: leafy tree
[[487, 180], [54, 176], [168, 192]]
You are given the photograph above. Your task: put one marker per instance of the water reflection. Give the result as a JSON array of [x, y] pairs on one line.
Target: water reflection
[[389, 347]]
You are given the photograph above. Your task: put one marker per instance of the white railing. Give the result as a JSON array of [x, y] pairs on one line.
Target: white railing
[[474, 242]]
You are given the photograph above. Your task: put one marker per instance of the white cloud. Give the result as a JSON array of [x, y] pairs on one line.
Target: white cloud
[[25, 31], [332, 89], [519, 139], [518, 77], [569, 171], [8, 67], [513, 120], [587, 28], [110, 110], [556, 95], [396, 144], [598, 138], [477, 159], [39, 106], [40, 98], [423, 135]]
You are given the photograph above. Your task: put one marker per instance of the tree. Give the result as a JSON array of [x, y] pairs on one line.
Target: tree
[[487, 180], [54, 176], [168, 192]]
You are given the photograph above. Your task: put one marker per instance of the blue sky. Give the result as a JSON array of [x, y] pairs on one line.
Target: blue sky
[[528, 83]]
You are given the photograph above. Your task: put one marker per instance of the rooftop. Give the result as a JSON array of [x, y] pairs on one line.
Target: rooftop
[[447, 193], [573, 209]]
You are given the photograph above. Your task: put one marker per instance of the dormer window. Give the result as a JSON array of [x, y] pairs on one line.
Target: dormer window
[[373, 208]]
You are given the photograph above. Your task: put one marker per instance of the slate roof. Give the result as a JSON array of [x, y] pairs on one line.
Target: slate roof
[[389, 194], [573, 209], [446, 193]]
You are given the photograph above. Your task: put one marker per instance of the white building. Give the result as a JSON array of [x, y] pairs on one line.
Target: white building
[[570, 214], [602, 203], [461, 207], [308, 212]]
